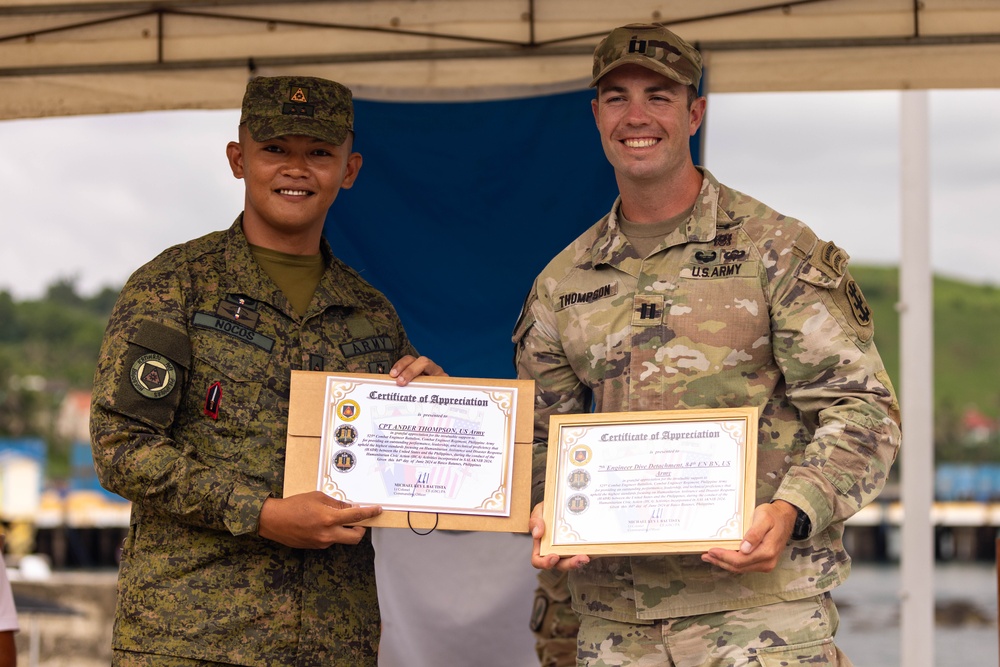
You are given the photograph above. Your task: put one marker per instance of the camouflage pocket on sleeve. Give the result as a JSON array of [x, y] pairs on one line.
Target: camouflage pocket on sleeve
[[851, 457]]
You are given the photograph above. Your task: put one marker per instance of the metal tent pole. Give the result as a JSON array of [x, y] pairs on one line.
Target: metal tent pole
[[916, 388]]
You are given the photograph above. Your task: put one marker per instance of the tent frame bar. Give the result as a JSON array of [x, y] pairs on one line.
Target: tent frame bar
[[492, 48], [143, 9], [515, 50]]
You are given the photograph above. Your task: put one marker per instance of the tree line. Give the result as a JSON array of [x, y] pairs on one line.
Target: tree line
[[50, 345]]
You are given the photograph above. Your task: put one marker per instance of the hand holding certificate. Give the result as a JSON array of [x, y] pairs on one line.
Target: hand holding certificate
[[649, 482]]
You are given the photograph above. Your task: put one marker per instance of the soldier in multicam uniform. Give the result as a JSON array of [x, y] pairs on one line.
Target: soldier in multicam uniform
[[689, 294], [190, 412]]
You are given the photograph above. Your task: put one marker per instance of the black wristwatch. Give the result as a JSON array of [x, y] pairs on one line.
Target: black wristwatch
[[803, 526]]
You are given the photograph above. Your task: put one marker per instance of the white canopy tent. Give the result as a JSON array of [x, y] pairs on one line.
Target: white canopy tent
[[68, 57]]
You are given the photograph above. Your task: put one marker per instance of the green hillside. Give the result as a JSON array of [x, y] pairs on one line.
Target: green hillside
[[58, 337], [966, 349]]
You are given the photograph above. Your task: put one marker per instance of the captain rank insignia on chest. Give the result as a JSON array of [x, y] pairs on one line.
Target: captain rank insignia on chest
[[647, 310]]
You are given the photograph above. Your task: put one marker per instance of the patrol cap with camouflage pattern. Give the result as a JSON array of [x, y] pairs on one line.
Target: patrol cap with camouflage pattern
[[277, 105], [652, 46]]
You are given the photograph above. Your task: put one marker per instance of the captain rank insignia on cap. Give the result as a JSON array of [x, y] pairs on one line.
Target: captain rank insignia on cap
[[298, 103]]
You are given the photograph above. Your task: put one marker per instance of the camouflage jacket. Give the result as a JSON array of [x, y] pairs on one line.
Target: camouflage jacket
[[739, 306], [188, 422]]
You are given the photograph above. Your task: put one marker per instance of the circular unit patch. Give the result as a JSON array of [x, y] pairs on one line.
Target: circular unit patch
[[153, 375]]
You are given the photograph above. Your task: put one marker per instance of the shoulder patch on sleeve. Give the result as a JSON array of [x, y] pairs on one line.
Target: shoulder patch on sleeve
[[855, 309], [825, 266], [149, 388], [830, 259]]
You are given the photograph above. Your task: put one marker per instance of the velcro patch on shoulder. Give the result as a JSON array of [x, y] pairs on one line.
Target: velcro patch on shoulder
[[805, 242], [157, 337]]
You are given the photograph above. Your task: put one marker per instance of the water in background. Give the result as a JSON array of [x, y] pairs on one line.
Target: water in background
[[869, 615]]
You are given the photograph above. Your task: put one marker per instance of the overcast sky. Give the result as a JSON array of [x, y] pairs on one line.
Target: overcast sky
[[93, 197]]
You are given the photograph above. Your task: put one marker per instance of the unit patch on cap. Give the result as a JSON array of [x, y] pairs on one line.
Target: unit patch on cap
[[153, 375], [298, 104]]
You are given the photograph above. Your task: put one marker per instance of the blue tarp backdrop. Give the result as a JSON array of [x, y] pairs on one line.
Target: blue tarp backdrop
[[457, 208]]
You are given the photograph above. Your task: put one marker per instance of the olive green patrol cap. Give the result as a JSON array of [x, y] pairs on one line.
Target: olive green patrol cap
[[652, 46], [277, 105]]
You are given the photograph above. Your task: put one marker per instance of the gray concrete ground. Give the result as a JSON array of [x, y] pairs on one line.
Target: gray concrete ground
[[68, 617]]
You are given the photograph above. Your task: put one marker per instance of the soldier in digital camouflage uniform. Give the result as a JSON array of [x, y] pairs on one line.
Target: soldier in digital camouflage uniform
[[689, 294], [190, 412]]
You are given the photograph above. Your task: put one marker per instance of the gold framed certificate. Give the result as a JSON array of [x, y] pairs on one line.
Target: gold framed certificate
[[660, 482]]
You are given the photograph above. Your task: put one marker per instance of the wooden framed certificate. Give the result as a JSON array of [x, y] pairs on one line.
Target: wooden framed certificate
[[431, 446], [662, 482]]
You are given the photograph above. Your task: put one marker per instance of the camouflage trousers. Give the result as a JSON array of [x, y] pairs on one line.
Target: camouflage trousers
[[133, 659], [786, 634]]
